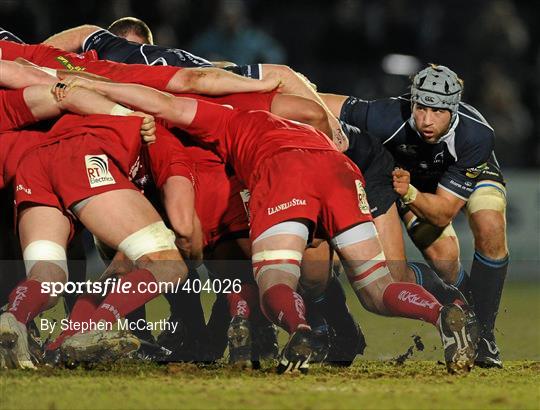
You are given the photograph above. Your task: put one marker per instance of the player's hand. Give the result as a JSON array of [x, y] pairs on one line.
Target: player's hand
[[148, 127], [61, 89], [401, 180]]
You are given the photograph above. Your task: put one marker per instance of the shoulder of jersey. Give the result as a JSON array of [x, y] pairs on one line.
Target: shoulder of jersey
[[470, 118]]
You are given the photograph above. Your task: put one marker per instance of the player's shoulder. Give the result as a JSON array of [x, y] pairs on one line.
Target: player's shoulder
[[473, 128], [98, 36]]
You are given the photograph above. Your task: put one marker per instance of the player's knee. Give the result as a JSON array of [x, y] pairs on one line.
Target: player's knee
[[490, 237], [276, 266], [153, 247], [45, 261]]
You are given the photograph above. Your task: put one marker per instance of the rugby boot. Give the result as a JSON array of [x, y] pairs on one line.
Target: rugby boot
[[14, 341], [297, 353], [239, 341], [264, 345], [345, 345], [320, 342], [100, 345], [458, 344], [487, 353]]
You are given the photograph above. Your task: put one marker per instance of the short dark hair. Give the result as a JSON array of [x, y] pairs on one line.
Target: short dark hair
[[126, 25]]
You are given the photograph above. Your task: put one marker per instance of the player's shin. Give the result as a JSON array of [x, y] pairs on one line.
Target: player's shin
[[428, 279]]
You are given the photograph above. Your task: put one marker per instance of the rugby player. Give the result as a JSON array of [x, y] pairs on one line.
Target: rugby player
[[20, 108], [265, 150], [445, 150], [129, 40]]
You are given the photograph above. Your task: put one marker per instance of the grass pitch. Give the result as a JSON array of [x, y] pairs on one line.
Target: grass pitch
[[374, 381]]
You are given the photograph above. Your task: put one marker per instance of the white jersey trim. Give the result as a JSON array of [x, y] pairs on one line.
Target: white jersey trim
[[452, 192]]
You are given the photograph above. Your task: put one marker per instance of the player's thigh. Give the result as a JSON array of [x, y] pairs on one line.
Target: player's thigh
[[316, 267], [47, 230], [486, 210], [114, 215], [43, 223]]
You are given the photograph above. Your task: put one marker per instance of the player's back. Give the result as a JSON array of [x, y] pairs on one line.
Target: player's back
[[246, 138], [111, 47]]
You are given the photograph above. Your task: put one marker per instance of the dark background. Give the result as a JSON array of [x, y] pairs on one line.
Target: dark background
[[342, 45]]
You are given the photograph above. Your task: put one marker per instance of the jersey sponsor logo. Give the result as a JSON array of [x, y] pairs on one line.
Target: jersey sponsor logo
[[439, 158], [474, 172], [286, 205], [415, 299], [97, 170], [362, 197], [68, 64], [20, 187], [245, 195]]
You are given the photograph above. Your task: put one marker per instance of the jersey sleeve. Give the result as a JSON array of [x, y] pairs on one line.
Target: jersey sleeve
[[13, 110], [354, 111], [9, 36], [381, 118], [168, 157], [210, 121], [155, 76], [460, 178]]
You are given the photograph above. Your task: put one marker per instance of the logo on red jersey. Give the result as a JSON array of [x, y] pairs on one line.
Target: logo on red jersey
[[69, 65], [286, 205], [97, 170], [362, 198], [245, 195]]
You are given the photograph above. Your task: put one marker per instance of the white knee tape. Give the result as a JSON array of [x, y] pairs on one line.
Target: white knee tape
[[45, 251], [283, 260], [358, 233], [369, 271], [152, 238], [285, 228]]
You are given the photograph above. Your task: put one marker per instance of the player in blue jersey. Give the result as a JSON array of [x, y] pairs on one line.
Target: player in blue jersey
[[444, 148], [129, 40]]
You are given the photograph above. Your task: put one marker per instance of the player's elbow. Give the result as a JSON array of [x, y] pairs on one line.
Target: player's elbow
[[189, 80]]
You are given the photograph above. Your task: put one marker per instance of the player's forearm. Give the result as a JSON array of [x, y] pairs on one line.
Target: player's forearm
[[176, 110], [72, 39], [87, 102], [14, 75], [213, 81], [143, 98], [179, 199], [433, 208]]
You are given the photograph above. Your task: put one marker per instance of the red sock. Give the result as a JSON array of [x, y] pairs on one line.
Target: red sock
[[284, 307], [82, 311], [26, 301], [412, 301], [245, 302], [119, 304]]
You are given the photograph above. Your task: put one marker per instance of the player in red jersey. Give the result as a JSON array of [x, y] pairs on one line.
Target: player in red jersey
[[44, 245], [289, 198]]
